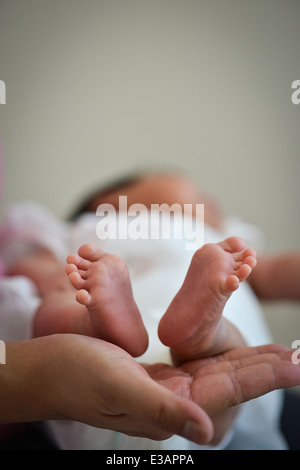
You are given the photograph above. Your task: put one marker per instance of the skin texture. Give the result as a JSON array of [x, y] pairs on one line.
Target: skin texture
[[50, 376], [193, 325]]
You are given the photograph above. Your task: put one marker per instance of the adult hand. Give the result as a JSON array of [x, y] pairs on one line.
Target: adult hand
[[85, 379], [88, 380], [109, 389], [219, 383]]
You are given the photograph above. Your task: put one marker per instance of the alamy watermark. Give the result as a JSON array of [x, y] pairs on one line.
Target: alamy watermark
[[161, 221], [2, 92], [296, 94], [2, 352], [296, 354]]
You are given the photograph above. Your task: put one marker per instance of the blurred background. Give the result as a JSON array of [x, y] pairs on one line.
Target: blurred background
[[98, 88]]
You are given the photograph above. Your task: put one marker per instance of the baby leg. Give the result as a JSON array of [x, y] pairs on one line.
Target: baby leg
[[104, 288], [59, 313], [193, 324]]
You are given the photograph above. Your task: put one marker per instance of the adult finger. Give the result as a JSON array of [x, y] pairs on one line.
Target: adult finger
[[224, 361], [160, 408], [235, 386]]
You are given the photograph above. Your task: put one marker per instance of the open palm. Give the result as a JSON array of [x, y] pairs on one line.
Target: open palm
[[158, 400], [228, 379]]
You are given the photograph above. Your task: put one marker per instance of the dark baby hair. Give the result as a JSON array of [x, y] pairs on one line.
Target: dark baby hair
[[118, 184]]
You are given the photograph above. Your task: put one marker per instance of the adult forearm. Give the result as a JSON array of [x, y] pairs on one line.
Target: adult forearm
[[23, 397]]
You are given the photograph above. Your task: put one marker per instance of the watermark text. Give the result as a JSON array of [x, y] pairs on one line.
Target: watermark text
[[2, 352], [296, 94], [161, 221], [2, 92], [296, 354]]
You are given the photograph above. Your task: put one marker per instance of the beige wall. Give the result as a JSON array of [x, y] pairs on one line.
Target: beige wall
[[99, 87]]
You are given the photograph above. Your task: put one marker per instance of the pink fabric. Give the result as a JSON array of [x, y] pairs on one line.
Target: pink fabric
[[1, 173], [7, 430], [0, 170]]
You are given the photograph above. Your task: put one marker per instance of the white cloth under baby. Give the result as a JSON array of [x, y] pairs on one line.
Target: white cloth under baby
[[157, 269]]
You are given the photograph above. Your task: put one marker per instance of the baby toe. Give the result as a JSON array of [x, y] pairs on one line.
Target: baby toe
[[231, 284], [91, 253], [79, 262], [76, 280], [243, 272], [233, 244], [251, 261], [83, 297], [71, 268]]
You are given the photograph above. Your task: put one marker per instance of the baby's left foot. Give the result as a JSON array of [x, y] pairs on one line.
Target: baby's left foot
[[192, 324], [104, 288]]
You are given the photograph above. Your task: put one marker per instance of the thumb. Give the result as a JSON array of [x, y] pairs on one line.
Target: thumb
[[163, 409]]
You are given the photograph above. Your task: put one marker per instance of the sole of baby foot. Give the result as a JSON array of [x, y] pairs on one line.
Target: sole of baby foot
[[103, 286], [193, 318]]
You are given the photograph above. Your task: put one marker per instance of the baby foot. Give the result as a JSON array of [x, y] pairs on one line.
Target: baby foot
[[104, 288], [192, 323]]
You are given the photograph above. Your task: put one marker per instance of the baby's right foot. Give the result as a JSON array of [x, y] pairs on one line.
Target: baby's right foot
[[104, 288], [192, 326]]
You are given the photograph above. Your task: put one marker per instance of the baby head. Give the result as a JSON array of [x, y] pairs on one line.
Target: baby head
[[162, 188]]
